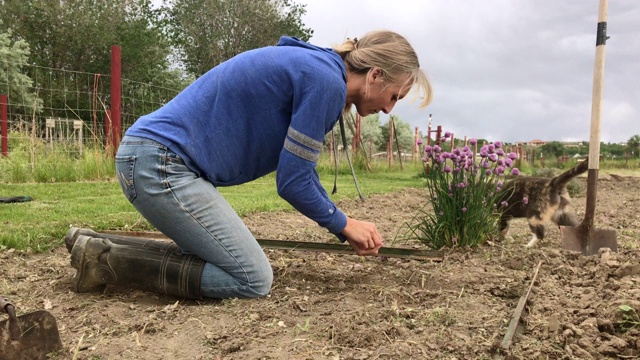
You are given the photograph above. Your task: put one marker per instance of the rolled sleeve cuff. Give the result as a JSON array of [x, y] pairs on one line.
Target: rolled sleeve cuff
[[338, 224]]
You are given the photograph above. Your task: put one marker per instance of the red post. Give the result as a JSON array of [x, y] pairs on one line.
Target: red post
[[358, 136], [5, 125], [116, 95], [416, 147], [390, 146]]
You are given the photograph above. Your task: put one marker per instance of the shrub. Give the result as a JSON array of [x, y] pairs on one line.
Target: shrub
[[464, 190]]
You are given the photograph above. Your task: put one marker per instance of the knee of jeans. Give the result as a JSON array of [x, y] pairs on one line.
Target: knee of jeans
[[261, 284]]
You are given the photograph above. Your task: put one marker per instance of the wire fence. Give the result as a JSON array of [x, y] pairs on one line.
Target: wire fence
[[69, 109]]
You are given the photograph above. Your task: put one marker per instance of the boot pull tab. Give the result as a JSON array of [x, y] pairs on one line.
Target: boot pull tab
[[7, 307]]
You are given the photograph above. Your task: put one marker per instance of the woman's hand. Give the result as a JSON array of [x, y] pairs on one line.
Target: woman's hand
[[363, 237]]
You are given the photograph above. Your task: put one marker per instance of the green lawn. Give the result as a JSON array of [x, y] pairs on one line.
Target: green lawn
[[41, 224]]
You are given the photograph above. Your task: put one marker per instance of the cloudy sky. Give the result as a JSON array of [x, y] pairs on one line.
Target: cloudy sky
[[508, 70]]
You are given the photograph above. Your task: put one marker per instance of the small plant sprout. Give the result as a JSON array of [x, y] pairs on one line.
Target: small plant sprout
[[630, 318], [464, 192]]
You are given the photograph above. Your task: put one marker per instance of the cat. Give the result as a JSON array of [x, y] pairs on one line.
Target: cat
[[540, 200]]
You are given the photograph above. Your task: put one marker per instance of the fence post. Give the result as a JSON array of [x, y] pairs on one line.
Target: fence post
[[116, 96], [4, 125]]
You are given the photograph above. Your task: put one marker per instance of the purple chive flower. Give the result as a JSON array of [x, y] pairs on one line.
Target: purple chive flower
[[508, 162], [515, 171], [473, 141], [493, 157], [466, 149], [500, 170], [504, 204], [424, 160], [491, 148], [488, 172], [437, 148], [500, 183], [447, 169], [486, 164], [440, 213], [428, 148], [512, 156], [525, 200], [500, 152], [484, 153], [462, 185], [419, 142], [447, 135], [497, 144], [464, 209]]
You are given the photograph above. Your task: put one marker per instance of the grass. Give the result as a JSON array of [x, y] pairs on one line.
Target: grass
[[40, 224]]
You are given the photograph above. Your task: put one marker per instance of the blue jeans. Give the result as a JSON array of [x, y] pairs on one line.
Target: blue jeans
[[190, 211]]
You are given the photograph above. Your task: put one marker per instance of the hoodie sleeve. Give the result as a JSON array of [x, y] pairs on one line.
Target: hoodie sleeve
[[317, 101]]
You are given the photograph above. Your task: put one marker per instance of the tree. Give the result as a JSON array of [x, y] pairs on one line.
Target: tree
[[633, 144], [68, 38], [13, 81], [208, 32], [402, 131], [553, 148]]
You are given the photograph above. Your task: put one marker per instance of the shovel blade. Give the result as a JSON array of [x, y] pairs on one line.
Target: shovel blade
[[38, 337], [588, 242]]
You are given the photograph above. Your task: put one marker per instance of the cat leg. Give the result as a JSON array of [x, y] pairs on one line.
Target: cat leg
[[538, 233], [567, 218], [503, 227]]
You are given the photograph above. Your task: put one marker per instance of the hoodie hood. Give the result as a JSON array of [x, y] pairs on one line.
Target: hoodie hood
[[294, 41]]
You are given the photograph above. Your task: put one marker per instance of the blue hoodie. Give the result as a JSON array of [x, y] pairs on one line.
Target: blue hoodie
[[263, 110]]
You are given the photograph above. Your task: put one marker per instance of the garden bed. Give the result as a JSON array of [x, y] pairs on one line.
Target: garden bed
[[327, 306]]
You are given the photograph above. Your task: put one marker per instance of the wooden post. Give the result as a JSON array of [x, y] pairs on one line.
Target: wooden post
[[4, 125], [116, 97], [390, 143]]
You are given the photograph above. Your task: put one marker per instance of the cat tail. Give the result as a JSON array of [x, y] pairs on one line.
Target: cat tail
[[568, 175]]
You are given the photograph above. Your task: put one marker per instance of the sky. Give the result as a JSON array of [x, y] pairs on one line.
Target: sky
[[505, 70]]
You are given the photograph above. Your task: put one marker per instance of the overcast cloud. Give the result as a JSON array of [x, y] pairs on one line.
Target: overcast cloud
[[508, 70]]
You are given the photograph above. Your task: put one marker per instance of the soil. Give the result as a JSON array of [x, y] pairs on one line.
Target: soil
[[328, 306]]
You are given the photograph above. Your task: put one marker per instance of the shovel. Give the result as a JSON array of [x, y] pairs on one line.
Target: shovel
[[31, 336], [584, 237]]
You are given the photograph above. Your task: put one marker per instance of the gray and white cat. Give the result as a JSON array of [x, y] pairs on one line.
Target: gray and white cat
[[540, 200]]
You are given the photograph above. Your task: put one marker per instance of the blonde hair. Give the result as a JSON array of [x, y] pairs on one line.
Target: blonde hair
[[390, 52]]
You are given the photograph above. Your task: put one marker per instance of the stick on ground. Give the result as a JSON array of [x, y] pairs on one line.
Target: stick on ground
[[517, 314]]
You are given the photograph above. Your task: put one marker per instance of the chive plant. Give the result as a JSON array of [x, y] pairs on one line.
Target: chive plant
[[465, 189]]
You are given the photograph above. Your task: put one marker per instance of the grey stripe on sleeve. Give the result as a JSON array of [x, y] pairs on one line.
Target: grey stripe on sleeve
[[300, 151], [304, 139]]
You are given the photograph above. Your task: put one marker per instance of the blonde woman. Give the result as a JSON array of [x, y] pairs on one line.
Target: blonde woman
[[263, 110]]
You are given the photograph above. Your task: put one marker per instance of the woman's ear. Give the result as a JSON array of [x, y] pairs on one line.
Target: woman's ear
[[375, 73]]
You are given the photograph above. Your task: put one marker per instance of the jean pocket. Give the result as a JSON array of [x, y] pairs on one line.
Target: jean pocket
[[124, 169]]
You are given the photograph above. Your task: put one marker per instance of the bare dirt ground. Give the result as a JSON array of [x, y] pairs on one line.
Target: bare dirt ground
[[326, 306]]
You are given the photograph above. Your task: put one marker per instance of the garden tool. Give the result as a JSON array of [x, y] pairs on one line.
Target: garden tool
[[584, 237], [31, 336], [152, 241]]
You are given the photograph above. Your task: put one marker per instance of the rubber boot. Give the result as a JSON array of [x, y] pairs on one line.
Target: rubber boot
[[101, 262], [166, 246]]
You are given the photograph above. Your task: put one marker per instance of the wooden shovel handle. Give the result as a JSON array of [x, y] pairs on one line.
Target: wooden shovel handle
[[598, 85]]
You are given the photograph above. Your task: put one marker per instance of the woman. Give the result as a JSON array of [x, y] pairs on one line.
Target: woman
[[264, 110]]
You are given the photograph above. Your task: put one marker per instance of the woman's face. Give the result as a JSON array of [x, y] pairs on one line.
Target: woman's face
[[380, 96]]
